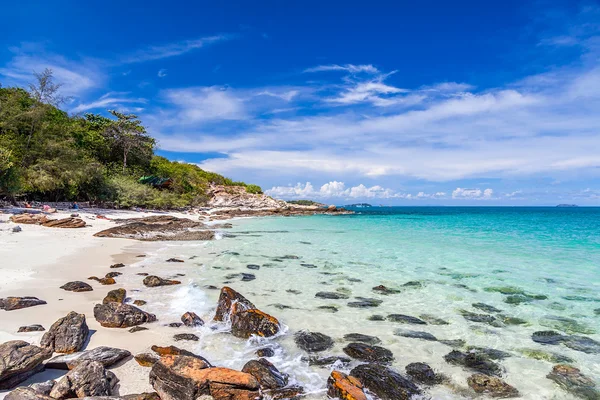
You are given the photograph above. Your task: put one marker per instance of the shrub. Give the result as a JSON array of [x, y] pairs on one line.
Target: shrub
[[254, 189]]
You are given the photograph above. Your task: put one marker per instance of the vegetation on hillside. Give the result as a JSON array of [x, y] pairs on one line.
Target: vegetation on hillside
[[48, 155], [305, 202]]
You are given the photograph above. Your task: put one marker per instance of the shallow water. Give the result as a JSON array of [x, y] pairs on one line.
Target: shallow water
[[457, 256]]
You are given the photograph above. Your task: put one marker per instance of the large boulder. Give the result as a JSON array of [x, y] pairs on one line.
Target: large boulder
[[187, 378], [267, 375], [344, 387], [70, 222], [16, 303], [159, 228], [227, 299], [67, 335], [107, 356], [117, 315], [313, 341], [88, 378], [386, 383], [491, 386], [18, 361]]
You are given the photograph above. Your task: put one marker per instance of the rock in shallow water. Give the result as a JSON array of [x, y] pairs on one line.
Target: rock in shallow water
[[386, 383], [365, 302], [474, 361], [486, 307], [191, 319], [266, 374], [365, 352], [155, 281], [359, 337], [415, 334], [332, 296], [326, 361], [405, 319], [253, 322], [385, 290], [16, 303], [492, 386], [423, 373], [344, 387], [227, 299], [18, 361], [67, 335], [573, 381], [313, 341]]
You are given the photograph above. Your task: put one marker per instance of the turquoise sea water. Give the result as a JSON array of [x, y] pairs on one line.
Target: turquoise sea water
[[540, 267]]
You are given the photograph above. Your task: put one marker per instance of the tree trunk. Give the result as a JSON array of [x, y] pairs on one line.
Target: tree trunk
[[124, 160]]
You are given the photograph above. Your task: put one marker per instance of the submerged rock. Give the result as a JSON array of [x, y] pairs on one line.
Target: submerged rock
[[474, 361], [567, 325], [31, 328], [364, 302], [115, 296], [573, 381], [344, 387], [253, 266], [583, 344], [359, 337], [326, 361], [155, 281], [386, 290], [376, 318], [433, 320], [486, 307], [313, 341], [87, 379], [332, 309], [186, 336], [332, 295], [548, 337], [107, 356], [16, 303], [484, 318], [405, 319], [423, 373], [77, 286], [492, 386], [266, 374], [492, 354], [368, 353], [386, 383], [67, 335], [191, 319], [18, 361], [545, 356], [116, 315], [265, 352], [415, 334]]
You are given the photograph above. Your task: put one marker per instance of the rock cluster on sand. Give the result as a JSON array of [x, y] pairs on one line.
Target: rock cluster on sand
[[88, 378], [18, 361], [41, 219], [159, 228]]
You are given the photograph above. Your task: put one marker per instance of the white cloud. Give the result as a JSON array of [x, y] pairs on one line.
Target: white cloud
[[157, 52], [473, 194], [111, 100], [351, 68], [284, 95], [162, 73], [205, 104]]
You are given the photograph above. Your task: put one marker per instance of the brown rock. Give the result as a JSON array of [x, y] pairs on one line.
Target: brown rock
[[344, 387], [103, 281], [77, 286], [146, 359], [117, 315], [253, 322], [29, 219], [67, 335], [227, 298], [138, 329], [89, 378], [154, 281], [176, 351], [65, 223], [573, 381], [113, 274], [118, 265], [266, 374], [141, 396], [16, 303], [286, 393], [191, 319], [140, 302], [492, 386], [18, 361], [115, 296], [185, 336], [31, 328]]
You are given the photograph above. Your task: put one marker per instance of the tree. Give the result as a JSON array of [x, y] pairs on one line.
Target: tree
[[127, 133], [44, 90]]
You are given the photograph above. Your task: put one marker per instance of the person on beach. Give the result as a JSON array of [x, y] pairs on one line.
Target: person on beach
[[75, 206]]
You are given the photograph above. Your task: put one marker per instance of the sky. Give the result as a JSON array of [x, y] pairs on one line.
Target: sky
[[385, 102]]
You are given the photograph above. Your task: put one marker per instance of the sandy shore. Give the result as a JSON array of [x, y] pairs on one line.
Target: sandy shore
[[38, 260]]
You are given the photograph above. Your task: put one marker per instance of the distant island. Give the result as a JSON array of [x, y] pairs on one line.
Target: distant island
[[358, 205], [567, 205]]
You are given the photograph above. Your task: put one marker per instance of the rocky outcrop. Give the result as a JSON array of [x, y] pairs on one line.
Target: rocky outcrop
[[70, 222], [18, 361], [344, 387], [116, 315], [188, 378], [237, 197], [368, 353], [313, 341], [107, 356], [77, 286], [67, 335], [266, 374], [227, 299], [115, 296], [386, 383], [492, 386], [16, 303], [573, 381], [87, 379], [159, 228], [155, 281], [176, 351], [191, 319]]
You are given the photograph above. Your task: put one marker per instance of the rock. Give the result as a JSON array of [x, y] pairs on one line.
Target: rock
[[573, 381], [154, 281], [69, 222], [31, 328], [43, 387], [247, 277], [18, 361], [567, 325], [492, 386], [67, 335], [344, 387], [115, 296], [227, 299], [486, 307], [253, 266], [175, 324], [405, 319], [186, 336], [433, 320], [287, 393], [16, 303], [385, 290], [159, 228], [423, 373], [77, 286], [104, 281], [359, 337], [188, 378], [88, 378], [253, 322], [327, 361], [415, 334], [332, 309], [118, 265], [456, 343], [141, 396], [265, 352], [474, 361], [137, 329], [313, 341], [548, 337], [368, 353], [545, 356], [492, 354], [376, 318], [29, 219], [116, 315], [474, 317], [191, 319], [140, 302], [331, 295], [17, 229], [266, 374], [386, 383], [177, 260], [107, 356], [26, 393], [146, 359], [113, 274], [365, 303], [583, 344]]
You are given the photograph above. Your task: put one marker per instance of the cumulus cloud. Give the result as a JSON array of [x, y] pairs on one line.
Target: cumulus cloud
[[476, 194]]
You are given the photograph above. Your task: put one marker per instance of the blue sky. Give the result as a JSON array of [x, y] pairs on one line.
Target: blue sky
[[416, 103]]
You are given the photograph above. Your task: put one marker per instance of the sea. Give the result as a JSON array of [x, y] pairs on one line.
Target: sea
[[477, 278]]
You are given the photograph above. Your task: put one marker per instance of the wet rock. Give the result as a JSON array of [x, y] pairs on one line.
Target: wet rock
[[386, 383], [405, 319], [253, 322], [573, 381], [188, 378], [266, 374], [583, 344], [140, 302], [332, 309], [186, 336], [474, 361], [146, 359], [115, 296], [107, 356], [386, 290], [508, 290], [359, 337], [545, 356], [77, 286], [326, 361], [548, 337], [313, 341], [332, 295], [455, 343], [26, 393], [368, 353], [492, 354], [486, 307], [67, 335], [155, 281], [31, 328], [511, 320], [344, 387], [16, 303], [116, 315], [253, 266], [159, 228], [280, 306], [227, 299], [113, 274], [413, 284], [287, 393], [423, 373], [175, 324], [119, 265], [103, 281], [365, 302], [18, 361], [247, 277], [265, 352], [483, 318], [68, 222], [305, 265], [415, 334], [376, 318], [137, 329], [176, 351], [433, 320], [567, 325], [492, 386], [177, 260], [88, 378], [191, 319]]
